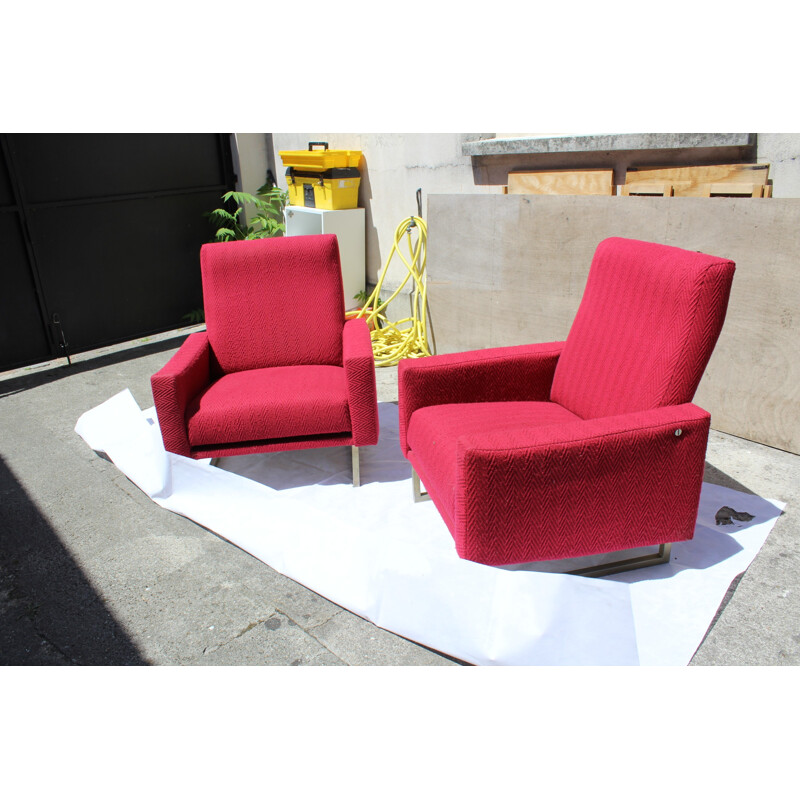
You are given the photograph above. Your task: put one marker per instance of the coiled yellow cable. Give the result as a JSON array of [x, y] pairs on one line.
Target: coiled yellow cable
[[390, 341]]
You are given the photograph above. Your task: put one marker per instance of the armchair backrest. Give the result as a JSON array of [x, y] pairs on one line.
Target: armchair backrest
[[273, 302], [645, 329]]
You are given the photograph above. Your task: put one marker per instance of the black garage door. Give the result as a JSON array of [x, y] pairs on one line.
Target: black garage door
[[100, 236]]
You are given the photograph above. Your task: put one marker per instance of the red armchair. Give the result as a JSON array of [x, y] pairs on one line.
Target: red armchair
[[278, 367], [575, 448]]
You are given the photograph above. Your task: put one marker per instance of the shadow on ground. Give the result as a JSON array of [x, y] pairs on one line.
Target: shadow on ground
[[718, 477], [49, 612], [20, 382]]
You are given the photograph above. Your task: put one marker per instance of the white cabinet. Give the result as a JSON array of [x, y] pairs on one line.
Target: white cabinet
[[348, 226]]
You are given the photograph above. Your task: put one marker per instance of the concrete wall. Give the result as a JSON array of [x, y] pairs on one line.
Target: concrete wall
[[252, 154], [782, 152]]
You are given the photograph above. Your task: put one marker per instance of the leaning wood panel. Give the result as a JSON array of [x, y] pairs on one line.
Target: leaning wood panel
[[694, 181], [562, 181], [645, 189], [511, 269], [735, 189]]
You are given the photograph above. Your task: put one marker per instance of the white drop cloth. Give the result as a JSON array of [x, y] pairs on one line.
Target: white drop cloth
[[375, 552]]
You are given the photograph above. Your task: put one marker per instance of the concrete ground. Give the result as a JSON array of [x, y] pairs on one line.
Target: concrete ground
[[94, 573]]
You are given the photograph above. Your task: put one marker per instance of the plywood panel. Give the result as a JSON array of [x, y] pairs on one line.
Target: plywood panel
[[562, 181], [734, 189], [656, 189], [695, 181], [511, 269], [752, 384]]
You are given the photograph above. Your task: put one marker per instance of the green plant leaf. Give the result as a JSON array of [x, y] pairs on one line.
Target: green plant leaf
[[266, 221], [195, 316], [221, 216], [240, 197]]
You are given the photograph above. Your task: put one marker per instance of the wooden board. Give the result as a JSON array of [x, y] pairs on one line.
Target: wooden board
[[562, 181], [509, 270], [735, 189], [647, 189], [695, 181]]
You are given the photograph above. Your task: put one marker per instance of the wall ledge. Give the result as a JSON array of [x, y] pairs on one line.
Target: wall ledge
[[605, 142]]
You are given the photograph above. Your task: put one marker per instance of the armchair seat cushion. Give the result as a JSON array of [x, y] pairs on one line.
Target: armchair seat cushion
[[434, 431], [270, 403]]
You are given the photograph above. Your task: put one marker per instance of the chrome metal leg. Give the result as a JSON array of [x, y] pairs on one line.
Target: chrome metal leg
[[613, 567], [356, 467], [419, 495]]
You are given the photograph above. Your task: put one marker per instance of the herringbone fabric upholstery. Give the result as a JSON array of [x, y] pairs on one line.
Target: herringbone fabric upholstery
[[646, 327], [576, 489], [359, 371], [277, 368], [437, 430], [524, 372], [262, 296], [275, 403], [590, 446], [185, 375]]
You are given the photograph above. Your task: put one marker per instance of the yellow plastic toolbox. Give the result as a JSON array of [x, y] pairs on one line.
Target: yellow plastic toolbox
[[325, 178], [319, 160]]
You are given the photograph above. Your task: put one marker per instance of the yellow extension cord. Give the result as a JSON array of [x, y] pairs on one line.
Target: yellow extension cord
[[390, 342]]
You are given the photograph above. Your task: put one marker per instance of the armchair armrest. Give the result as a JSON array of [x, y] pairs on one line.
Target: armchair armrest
[[174, 386], [581, 487], [522, 372], [359, 372]]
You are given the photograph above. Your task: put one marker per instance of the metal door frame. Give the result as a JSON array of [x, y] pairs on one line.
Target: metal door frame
[[20, 208]]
